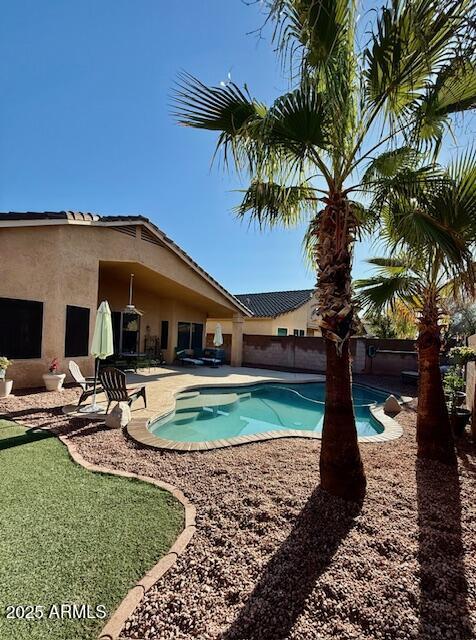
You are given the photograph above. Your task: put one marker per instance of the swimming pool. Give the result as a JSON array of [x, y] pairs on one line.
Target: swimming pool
[[218, 413]]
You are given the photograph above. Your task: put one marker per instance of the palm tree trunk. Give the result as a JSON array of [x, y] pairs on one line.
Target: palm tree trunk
[[341, 468], [434, 436]]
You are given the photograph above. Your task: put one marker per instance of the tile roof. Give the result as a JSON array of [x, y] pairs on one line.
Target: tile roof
[[274, 303], [81, 216], [49, 215]]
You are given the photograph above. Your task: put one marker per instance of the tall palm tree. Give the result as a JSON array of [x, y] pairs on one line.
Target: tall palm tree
[[427, 269], [304, 152]]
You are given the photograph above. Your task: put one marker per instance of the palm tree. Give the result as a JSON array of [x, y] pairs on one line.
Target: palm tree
[[426, 271], [303, 153]]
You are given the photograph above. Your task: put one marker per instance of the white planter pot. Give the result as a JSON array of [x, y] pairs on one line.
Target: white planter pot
[[5, 387], [54, 381]]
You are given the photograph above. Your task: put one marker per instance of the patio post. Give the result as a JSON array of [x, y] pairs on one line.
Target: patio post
[[237, 340]]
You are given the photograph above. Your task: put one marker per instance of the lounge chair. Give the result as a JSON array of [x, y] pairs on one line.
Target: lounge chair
[[185, 356], [208, 356], [114, 385], [86, 384]]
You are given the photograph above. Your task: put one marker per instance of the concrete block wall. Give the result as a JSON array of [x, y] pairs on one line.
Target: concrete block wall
[[308, 354]]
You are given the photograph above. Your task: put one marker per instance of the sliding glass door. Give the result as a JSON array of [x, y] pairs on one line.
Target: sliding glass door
[[190, 335]]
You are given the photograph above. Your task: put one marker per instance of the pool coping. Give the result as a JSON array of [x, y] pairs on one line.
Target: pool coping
[[138, 429], [115, 624]]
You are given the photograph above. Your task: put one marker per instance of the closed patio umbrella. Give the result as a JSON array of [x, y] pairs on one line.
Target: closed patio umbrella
[[102, 347], [218, 336]]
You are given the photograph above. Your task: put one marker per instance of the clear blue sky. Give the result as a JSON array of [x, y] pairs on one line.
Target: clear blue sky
[[85, 124]]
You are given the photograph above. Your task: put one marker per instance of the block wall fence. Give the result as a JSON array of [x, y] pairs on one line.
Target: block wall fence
[[308, 353]]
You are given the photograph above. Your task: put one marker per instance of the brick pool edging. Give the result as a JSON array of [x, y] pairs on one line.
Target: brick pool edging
[[138, 429], [114, 626]]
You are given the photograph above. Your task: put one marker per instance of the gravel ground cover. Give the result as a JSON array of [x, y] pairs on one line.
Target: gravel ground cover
[[274, 557]]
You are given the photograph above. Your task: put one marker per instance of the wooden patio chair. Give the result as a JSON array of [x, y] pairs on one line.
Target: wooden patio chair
[[113, 382], [86, 384]]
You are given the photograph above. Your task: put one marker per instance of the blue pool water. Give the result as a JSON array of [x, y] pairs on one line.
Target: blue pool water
[[215, 413]]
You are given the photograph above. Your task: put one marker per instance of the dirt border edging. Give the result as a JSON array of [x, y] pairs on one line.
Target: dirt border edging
[[115, 624]]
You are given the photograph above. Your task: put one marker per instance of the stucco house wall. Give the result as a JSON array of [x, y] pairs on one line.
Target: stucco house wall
[[299, 318], [74, 264]]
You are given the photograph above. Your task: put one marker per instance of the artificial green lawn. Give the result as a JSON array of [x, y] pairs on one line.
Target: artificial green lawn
[[68, 535]]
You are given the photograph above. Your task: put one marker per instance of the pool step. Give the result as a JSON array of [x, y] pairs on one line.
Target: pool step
[[187, 394], [208, 400], [185, 417]]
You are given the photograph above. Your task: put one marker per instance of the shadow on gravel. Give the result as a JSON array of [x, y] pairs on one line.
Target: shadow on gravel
[[443, 587], [291, 574]]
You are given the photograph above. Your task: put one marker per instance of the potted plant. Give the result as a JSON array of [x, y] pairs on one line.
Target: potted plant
[[5, 384], [53, 379], [454, 384]]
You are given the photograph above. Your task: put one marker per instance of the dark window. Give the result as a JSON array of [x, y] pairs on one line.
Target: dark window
[[282, 332], [164, 334], [298, 332], [116, 331], [21, 328], [76, 341], [130, 333], [190, 335], [183, 337], [197, 336]]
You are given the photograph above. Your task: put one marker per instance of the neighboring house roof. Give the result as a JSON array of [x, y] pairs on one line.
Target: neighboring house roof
[[34, 218], [274, 303]]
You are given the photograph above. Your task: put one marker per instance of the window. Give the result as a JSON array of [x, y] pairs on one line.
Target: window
[[125, 332], [76, 342], [116, 331], [164, 334], [190, 335], [282, 332], [197, 336], [298, 332], [130, 333], [21, 328], [183, 338]]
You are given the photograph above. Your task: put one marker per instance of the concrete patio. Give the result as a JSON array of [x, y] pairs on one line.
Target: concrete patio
[[164, 383]]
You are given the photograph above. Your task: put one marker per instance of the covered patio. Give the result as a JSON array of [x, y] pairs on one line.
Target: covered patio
[[173, 315]]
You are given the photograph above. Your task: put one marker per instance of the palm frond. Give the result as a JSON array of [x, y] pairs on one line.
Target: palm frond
[[389, 163], [454, 90], [314, 30], [298, 119], [271, 204], [310, 242], [412, 40], [382, 292], [392, 266], [225, 109]]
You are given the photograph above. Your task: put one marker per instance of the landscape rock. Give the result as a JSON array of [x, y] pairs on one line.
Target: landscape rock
[[119, 417], [392, 405]]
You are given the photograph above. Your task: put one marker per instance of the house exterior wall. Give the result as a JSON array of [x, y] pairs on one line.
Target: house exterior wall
[[39, 265], [60, 264], [297, 319]]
